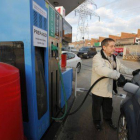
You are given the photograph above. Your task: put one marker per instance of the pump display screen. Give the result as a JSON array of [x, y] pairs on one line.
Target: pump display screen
[[13, 53], [67, 31], [41, 89]]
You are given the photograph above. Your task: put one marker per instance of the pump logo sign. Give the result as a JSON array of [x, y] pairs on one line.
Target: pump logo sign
[[38, 9], [51, 22], [39, 37]]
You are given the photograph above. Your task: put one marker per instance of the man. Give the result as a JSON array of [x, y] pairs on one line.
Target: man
[[106, 64]]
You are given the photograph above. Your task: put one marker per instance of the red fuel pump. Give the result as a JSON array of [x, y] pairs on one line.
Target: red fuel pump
[[11, 127]]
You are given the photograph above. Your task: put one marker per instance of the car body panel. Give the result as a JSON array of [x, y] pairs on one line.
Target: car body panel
[[72, 62], [128, 112], [130, 108]]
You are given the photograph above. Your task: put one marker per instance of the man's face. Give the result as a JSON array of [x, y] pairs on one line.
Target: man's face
[[110, 48]]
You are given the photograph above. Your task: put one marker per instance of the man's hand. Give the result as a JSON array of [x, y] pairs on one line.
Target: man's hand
[[121, 81], [135, 72]]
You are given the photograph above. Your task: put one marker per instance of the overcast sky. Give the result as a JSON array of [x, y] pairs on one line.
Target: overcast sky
[[116, 16]]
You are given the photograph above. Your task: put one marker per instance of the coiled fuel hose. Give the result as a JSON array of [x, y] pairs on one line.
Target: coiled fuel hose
[[54, 48], [65, 99]]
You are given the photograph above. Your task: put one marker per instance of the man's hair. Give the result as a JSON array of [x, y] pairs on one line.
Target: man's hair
[[105, 41]]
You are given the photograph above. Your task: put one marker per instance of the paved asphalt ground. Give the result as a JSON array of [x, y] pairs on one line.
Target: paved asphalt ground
[[80, 125]]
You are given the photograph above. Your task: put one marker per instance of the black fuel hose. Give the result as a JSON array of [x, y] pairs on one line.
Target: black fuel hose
[[87, 95]]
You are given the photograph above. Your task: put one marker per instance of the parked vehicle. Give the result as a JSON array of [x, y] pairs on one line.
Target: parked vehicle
[[72, 49], [87, 52], [64, 49], [73, 60], [115, 53], [129, 121], [118, 50], [120, 54]]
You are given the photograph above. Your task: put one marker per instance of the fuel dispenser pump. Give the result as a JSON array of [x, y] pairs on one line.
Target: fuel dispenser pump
[[54, 75], [33, 47], [54, 82], [24, 44]]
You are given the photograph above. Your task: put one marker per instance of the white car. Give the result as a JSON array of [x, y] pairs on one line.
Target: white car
[[73, 60]]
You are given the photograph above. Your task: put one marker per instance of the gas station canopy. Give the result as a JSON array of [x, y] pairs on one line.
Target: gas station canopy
[[68, 5]]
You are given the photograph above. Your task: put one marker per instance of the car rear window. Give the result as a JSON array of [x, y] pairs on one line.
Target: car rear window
[[70, 55], [84, 49]]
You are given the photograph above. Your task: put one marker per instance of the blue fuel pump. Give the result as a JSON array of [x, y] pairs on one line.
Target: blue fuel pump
[[28, 29], [24, 44]]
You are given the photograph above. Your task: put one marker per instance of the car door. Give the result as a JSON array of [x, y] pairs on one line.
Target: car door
[[71, 60], [89, 52]]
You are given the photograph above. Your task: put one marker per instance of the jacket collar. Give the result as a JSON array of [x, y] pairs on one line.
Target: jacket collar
[[104, 57]]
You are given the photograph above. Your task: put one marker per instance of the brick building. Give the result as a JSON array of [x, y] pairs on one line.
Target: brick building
[[127, 35], [114, 37], [101, 38], [79, 44]]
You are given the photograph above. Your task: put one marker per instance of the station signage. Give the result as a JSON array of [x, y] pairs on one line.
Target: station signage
[[51, 22], [61, 10], [40, 10], [39, 37]]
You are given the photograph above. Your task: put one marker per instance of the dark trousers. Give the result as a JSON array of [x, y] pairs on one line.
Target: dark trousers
[[103, 103]]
